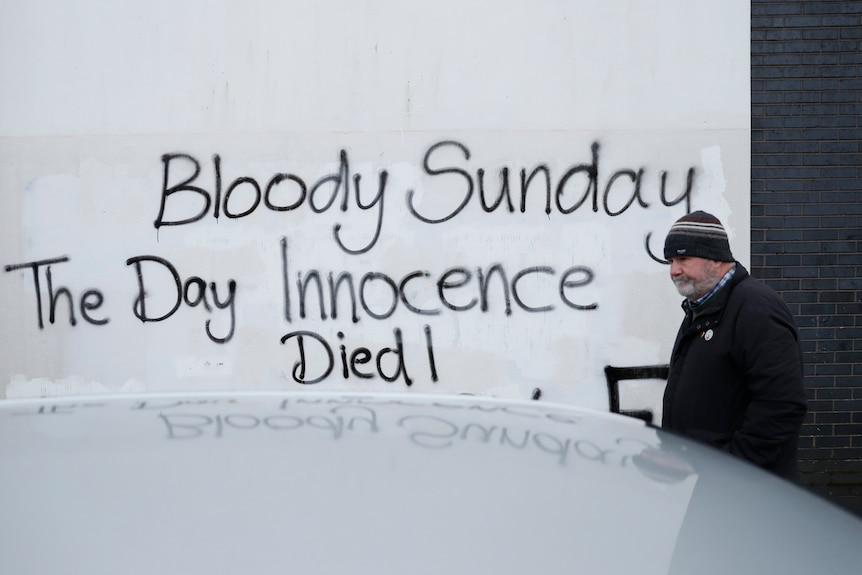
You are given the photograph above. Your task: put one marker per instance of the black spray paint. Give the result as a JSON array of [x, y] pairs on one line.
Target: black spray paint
[[581, 186]]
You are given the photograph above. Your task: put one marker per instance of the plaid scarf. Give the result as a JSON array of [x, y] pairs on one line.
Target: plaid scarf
[[721, 283]]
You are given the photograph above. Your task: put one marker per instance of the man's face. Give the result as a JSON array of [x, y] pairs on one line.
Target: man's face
[[693, 276]]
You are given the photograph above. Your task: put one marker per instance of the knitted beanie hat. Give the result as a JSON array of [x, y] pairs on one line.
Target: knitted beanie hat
[[698, 234]]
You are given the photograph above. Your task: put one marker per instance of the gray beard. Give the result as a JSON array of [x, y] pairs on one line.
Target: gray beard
[[692, 290]]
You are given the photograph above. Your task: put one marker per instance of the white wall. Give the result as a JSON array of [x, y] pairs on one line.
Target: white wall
[[107, 107]]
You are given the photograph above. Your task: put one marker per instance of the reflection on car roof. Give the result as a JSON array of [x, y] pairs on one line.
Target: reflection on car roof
[[387, 483]]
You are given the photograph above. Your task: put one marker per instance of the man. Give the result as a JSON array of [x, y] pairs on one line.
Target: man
[[735, 377]]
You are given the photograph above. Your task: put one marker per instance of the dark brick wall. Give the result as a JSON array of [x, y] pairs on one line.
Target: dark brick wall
[[806, 215]]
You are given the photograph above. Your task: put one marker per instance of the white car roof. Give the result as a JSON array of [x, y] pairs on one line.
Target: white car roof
[[388, 483]]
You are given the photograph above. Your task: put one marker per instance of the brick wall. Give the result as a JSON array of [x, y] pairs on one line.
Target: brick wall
[[806, 214]]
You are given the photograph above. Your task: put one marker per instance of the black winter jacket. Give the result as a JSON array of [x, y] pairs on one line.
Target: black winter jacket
[[735, 377]]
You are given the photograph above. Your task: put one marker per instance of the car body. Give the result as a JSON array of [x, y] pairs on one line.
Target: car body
[[402, 483]]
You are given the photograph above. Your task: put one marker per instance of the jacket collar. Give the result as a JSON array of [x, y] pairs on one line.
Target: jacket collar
[[716, 302]]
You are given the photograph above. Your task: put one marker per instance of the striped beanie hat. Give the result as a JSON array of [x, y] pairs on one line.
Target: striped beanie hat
[[698, 234]]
